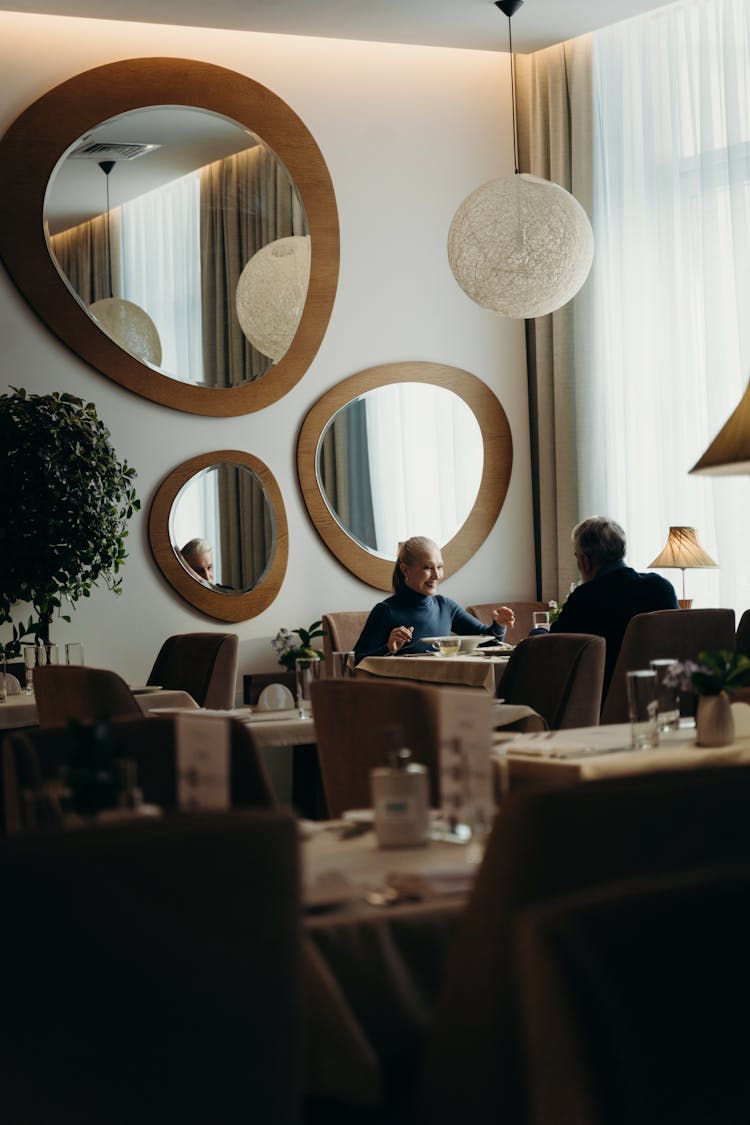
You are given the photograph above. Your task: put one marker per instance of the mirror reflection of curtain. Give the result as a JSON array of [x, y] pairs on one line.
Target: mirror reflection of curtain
[[195, 514], [161, 270], [247, 201], [426, 461], [247, 528], [343, 467], [81, 253]]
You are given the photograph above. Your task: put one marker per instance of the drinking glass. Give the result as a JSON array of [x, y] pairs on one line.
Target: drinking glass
[[668, 695], [307, 671], [3, 681], [540, 619], [30, 662], [343, 665], [643, 707], [74, 653], [449, 646]]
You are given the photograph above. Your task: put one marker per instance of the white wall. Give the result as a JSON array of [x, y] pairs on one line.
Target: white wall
[[406, 132]]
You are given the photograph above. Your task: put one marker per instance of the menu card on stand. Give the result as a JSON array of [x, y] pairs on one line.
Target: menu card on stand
[[202, 749], [466, 779]]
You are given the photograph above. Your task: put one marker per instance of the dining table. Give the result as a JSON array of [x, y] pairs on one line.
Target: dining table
[[462, 670], [18, 711], [566, 757], [378, 925]]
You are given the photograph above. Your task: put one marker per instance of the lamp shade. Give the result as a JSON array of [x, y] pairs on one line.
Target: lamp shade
[[682, 551], [729, 452], [130, 327], [271, 294], [521, 246]]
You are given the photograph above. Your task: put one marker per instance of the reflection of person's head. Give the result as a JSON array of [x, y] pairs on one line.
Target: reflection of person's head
[[419, 566], [597, 542], [199, 558]]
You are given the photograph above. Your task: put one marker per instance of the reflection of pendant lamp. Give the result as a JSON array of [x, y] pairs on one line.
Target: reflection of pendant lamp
[[729, 452], [682, 552], [271, 294], [520, 245], [126, 323]]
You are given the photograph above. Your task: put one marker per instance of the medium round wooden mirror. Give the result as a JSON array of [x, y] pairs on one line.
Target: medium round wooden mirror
[[399, 450], [227, 506], [259, 185]]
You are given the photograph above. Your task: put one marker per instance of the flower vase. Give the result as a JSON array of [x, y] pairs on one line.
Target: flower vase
[[714, 723]]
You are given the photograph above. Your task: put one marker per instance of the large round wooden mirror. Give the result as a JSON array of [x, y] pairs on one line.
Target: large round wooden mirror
[[399, 450], [175, 191], [218, 533]]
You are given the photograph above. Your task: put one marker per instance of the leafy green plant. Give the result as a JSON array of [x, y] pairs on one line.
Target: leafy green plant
[[288, 652], [719, 671], [66, 502]]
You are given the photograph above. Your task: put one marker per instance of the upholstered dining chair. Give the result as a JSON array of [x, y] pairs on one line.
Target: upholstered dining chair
[[341, 632], [664, 633], [634, 1002], [524, 617], [151, 972], [355, 723], [31, 759], [742, 636], [560, 675], [546, 843], [83, 694], [202, 664]]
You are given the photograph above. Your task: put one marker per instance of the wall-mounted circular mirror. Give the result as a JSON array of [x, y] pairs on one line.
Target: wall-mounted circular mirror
[[399, 450], [185, 193], [218, 532]]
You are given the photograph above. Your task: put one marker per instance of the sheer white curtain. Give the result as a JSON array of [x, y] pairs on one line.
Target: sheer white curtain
[[669, 353], [160, 270], [426, 461]]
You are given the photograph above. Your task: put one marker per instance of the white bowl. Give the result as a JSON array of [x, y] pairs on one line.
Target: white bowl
[[468, 644]]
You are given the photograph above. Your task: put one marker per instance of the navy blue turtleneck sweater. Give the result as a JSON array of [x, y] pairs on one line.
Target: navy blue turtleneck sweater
[[431, 615]]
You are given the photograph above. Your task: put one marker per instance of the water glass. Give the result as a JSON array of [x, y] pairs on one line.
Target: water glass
[[342, 665], [667, 694], [307, 671], [448, 646], [3, 681], [540, 618], [74, 653], [643, 707], [30, 663]]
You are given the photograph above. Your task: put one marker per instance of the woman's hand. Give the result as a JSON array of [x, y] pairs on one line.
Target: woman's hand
[[399, 637], [504, 615]]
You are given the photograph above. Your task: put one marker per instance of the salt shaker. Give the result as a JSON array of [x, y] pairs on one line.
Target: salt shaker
[[400, 798]]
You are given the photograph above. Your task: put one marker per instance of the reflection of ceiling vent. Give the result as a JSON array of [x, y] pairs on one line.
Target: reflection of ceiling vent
[[112, 150]]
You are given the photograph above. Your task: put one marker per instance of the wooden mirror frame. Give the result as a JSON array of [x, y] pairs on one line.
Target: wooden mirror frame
[[224, 607], [496, 470], [39, 137]]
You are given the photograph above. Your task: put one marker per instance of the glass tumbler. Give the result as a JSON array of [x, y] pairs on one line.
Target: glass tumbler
[[307, 671], [643, 708], [667, 694]]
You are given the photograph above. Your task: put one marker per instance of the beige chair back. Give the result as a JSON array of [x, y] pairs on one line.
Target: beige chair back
[[354, 724], [560, 675], [664, 633], [341, 632], [202, 664], [152, 972], [65, 693], [523, 611]]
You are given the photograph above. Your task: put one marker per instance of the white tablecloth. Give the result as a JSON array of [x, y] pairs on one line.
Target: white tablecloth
[[465, 671]]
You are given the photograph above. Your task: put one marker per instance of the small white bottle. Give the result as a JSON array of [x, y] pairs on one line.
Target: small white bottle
[[401, 801]]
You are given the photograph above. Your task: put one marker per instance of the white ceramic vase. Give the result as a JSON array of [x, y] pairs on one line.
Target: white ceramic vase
[[714, 724]]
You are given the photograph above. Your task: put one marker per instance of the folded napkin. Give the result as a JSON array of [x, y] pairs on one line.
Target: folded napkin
[[12, 686]]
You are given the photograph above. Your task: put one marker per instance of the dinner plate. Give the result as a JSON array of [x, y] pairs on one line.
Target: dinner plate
[[359, 816], [146, 689]]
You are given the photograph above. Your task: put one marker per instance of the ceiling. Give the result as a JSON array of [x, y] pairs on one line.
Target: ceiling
[[476, 24]]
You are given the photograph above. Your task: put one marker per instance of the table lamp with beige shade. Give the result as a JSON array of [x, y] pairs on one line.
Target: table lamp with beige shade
[[729, 452], [682, 552]]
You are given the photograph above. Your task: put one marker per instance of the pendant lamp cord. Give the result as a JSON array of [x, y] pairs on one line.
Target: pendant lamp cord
[[513, 96], [106, 167]]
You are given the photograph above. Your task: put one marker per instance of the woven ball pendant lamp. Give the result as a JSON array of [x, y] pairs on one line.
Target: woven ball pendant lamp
[[520, 245]]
